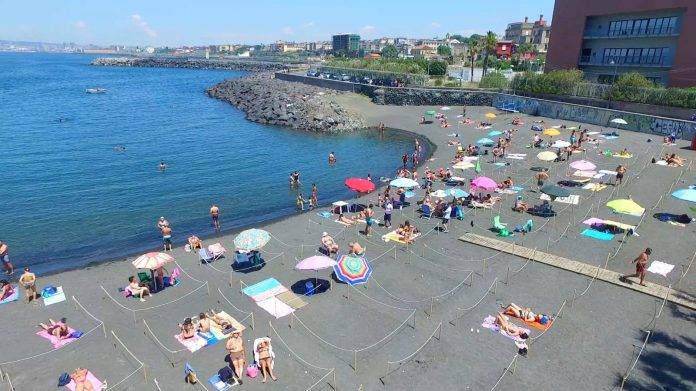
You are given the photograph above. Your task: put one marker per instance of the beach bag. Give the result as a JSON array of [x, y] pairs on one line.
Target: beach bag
[[63, 380], [226, 374], [49, 291], [76, 334], [544, 319], [252, 371]]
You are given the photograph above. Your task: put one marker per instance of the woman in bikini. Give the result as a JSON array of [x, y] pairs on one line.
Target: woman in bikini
[[6, 289], [502, 321], [265, 360], [187, 329], [79, 376], [235, 348], [56, 329]]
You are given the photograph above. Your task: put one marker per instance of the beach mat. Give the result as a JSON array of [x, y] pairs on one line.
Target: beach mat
[[264, 289], [594, 234], [58, 297], [13, 297], [192, 344], [536, 325], [57, 343], [489, 323], [292, 300], [394, 237], [218, 384], [96, 383], [275, 307], [594, 187]]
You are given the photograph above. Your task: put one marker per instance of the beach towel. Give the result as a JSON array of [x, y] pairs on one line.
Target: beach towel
[[57, 297], [261, 287], [534, 323], [275, 307], [393, 236], [209, 337], [514, 157], [571, 199], [584, 174], [594, 234], [593, 221], [661, 163], [57, 343], [620, 156], [96, 383], [343, 223], [325, 214], [12, 297], [192, 344], [660, 268], [598, 175], [258, 341], [218, 384], [489, 323], [232, 321], [594, 187], [292, 300], [608, 172]]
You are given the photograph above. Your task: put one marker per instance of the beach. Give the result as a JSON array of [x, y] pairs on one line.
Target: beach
[[417, 323]]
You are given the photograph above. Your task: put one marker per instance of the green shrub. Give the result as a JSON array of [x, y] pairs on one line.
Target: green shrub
[[494, 80], [561, 82], [438, 82], [437, 68], [631, 87]]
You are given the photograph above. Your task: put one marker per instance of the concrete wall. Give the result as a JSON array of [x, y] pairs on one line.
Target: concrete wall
[[645, 123]]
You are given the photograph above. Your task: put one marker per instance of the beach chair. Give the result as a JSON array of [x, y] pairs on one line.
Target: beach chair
[[528, 226], [426, 212], [500, 227], [144, 278], [204, 256]]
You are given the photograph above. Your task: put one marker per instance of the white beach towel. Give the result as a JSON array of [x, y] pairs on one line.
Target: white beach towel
[[571, 199], [275, 307], [58, 297], [660, 268], [608, 172]]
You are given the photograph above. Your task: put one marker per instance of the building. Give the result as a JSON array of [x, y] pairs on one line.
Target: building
[[534, 33], [346, 45], [504, 49], [608, 38], [424, 51], [541, 33], [287, 47]]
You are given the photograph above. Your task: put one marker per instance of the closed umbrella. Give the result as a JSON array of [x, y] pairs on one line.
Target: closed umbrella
[[353, 269], [551, 132], [485, 141], [360, 185], [555, 191], [583, 165], [483, 182], [547, 156], [406, 183], [685, 194], [626, 206], [251, 239], [153, 260]]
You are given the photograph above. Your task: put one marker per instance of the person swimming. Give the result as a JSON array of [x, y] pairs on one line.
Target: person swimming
[[162, 166]]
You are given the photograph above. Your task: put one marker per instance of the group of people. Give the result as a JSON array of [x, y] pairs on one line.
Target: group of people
[[28, 282]]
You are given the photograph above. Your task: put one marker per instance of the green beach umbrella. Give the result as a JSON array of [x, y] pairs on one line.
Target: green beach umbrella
[[430, 113]]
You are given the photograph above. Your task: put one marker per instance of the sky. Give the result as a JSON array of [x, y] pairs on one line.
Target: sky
[[204, 22]]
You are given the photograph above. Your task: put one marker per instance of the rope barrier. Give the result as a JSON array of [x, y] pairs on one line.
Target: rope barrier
[[250, 314], [141, 365], [513, 364], [495, 281], [633, 365], [159, 342], [438, 330]]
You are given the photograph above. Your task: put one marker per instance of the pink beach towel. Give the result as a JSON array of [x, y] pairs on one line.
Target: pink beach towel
[[275, 307], [96, 383], [57, 343], [192, 344], [489, 323], [269, 293]]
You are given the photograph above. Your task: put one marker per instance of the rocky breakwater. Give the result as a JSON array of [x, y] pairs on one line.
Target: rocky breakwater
[[268, 100], [191, 63]]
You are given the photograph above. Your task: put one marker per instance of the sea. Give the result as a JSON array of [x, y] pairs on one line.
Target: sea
[[79, 177]]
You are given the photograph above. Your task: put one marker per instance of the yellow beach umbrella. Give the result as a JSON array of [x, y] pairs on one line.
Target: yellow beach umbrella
[[490, 115], [551, 132], [626, 206], [547, 156]]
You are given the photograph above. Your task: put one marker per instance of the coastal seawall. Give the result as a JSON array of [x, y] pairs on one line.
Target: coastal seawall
[[267, 100], [190, 63]]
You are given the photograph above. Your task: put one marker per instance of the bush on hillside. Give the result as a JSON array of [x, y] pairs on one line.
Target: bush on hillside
[[494, 80]]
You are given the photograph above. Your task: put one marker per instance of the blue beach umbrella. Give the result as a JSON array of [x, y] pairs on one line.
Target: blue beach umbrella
[[685, 194], [485, 141], [251, 239], [457, 193], [494, 133], [406, 183]]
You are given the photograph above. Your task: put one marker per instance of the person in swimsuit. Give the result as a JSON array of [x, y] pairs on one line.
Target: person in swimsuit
[[641, 262], [28, 281], [314, 197], [235, 348], [187, 329], [620, 172], [369, 220], [195, 242], [510, 328], [136, 289], [332, 158], [162, 222], [203, 323], [522, 313], [79, 376], [329, 242], [167, 238], [265, 360], [6, 289], [541, 177], [162, 166], [5, 258], [56, 329], [215, 215]]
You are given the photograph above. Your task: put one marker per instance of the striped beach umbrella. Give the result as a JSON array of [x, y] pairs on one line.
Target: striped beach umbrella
[[251, 239], [153, 260], [353, 269]]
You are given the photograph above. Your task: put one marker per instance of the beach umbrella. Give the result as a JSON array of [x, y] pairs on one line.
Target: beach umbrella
[[406, 183], [483, 182], [485, 141], [555, 191], [619, 121], [463, 166], [430, 113], [456, 193], [560, 144], [251, 239], [445, 108], [494, 133], [316, 262], [152, 260], [490, 115], [685, 194], [626, 206], [583, 165], [352, 269], [439, 194], [547, 156], [360, 185], [551, 132]]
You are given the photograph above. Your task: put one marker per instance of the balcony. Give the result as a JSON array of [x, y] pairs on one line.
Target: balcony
[[627, 61], [634, 33]]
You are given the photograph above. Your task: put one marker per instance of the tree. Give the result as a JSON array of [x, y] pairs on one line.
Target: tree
[[489, 43], [444, 51], [459, 38], [474, 50], [437, 68], [390, 51]]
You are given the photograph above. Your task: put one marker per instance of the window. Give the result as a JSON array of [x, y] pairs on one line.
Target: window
[[652, 26]]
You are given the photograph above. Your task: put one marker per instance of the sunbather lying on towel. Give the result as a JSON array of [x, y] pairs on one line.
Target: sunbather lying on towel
[[187, 329], [407, 232], [219, 320], [355, 248], [347, 220], [56, 329], [79, 376], [512, 329], [6, 289], [525, 314], [329, 243]]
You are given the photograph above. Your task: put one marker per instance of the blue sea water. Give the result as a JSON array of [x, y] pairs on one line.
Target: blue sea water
[[68, 198]]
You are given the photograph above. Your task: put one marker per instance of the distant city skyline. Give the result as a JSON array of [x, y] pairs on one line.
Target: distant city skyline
[[173, 23]]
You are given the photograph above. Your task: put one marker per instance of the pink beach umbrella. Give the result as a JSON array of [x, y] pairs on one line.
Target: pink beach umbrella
[[152, 261], [483, 182], [583, 165], [316, 262]]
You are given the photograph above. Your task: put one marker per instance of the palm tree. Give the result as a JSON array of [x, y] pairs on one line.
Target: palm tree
[[489, 43], [474, 50]]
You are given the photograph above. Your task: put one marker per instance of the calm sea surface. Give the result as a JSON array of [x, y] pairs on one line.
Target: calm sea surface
[[67, 197]]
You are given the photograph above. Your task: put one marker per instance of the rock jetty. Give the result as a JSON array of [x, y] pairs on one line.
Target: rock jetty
[[191, 63], [268, 100]]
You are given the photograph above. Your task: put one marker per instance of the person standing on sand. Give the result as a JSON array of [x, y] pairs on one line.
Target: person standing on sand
[[388, 209], [641, 262], [167, 237], [541, 177], [28, 281], [237, 355], [215, 215], [620, 172], [5, 258], [369, 219]]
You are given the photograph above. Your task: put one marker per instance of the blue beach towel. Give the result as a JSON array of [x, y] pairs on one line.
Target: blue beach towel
[[260, 287], [209, 338], [218, 384], [599, 235], [325, 214]]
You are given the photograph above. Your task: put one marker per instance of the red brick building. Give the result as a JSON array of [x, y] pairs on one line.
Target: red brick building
[[606, 38], [504, 49]]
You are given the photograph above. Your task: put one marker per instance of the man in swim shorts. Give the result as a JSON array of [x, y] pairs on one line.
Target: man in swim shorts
[[28, 281], [215, 215], [167, 237]]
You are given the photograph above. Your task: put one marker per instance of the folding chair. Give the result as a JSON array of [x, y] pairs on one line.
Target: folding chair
[[426, 212], [204, 256]]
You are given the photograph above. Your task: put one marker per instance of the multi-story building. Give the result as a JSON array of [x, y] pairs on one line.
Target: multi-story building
[[519, 32], [504, 49], [424, 51], [346, 45], [608, 38], [541, 33]]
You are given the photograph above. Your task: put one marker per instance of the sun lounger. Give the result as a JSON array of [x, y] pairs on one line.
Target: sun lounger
[[571, 199], [497, 224], [426, 212], [55, 341], [12, 297], [205, 256], [96, 383]]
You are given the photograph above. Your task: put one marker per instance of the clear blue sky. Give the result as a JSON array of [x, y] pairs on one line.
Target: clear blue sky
[[191, 22]]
